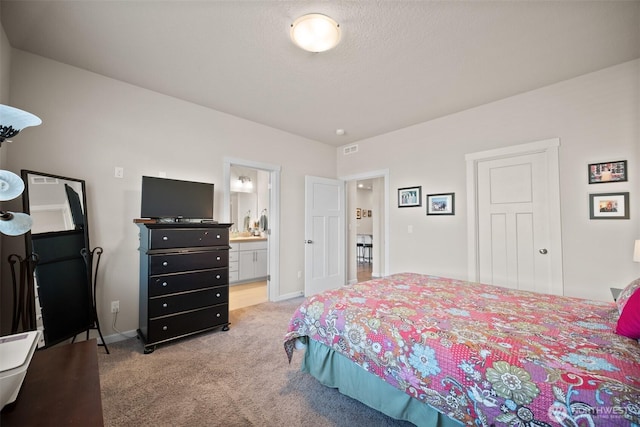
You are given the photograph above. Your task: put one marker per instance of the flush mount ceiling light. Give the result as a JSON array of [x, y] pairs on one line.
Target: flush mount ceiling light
[[315, 32]]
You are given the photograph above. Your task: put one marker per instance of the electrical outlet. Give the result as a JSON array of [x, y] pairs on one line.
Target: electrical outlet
[[119, 172], [115, 306]]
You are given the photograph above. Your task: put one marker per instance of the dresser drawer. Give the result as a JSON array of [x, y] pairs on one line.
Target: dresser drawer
[[186, 261], [187, 238], [164, 328], [181, 282], [164, 305]]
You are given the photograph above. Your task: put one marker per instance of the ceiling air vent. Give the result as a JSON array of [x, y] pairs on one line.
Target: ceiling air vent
[[350, 149]]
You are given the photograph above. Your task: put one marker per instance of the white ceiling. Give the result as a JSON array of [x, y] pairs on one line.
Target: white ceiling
[[399, 62]]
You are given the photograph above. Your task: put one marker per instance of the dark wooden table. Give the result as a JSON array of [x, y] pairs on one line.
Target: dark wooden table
[[61, 388]]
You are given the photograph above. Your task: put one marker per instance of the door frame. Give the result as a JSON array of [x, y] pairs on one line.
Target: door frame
[[549, 147], [384, 174], [273, 242]]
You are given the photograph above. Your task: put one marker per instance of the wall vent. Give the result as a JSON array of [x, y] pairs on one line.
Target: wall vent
[[350, 149]]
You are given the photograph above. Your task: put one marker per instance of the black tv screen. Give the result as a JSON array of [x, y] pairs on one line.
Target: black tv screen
[[172, 198]]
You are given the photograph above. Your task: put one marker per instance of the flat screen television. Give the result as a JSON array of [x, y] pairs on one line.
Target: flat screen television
[[172, 199]]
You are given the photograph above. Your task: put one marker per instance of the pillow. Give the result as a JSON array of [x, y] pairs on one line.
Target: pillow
[[626, 294], [629, 322]]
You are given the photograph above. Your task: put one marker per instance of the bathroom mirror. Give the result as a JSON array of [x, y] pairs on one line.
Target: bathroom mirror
[[243, 205], [58, 237]]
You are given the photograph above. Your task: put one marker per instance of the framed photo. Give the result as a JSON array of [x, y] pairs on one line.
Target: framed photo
[[369, 213], [409, 197], [609, 206], [600, 173], [358, 213], [441, 204]]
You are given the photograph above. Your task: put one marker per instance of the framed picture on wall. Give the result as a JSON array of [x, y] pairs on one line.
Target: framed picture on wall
[[609, 206], [441, 204], [409, 197], [358, 213], [600, 173]]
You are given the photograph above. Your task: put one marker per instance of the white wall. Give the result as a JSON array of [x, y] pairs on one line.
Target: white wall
[[92, 124], [596, 117]]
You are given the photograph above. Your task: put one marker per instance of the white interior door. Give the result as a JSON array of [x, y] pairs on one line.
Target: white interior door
[[513, 229], [514, 226], [324, 234]]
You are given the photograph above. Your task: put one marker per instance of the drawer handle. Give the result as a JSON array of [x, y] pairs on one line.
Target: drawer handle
[[217, 258], [164, 328], [217, 236], [165, 238], [217, 314], [164, 305], [217, 276], [164, 283], [218, 295], [165, 263]]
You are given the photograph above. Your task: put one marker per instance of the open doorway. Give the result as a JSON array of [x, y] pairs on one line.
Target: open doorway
[[252, 207], [367, 226]]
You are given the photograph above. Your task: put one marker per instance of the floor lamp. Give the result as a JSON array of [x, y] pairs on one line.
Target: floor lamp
[[12, 121]]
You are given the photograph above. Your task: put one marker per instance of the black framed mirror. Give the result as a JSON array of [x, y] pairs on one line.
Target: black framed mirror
[[59, 242]]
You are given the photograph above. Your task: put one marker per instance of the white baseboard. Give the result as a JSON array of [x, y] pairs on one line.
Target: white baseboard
[[121, 337]]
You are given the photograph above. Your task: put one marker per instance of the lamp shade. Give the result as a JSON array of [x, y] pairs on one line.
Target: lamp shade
[[636, 251], [15, 223], [11, 185], [13, 120], [315, 32]]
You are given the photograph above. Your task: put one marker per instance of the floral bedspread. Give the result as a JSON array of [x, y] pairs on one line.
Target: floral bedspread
[[483, 354]]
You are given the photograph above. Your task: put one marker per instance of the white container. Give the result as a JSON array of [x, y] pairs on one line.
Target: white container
[[16, 352]]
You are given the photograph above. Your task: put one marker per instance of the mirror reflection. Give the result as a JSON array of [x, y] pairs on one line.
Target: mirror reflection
[[55, 203], [249, 200]]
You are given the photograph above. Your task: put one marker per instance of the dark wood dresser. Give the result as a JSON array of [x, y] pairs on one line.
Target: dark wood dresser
[[184, 280]]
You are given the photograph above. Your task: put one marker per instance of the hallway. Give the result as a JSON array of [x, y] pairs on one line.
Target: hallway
[[364, 271]]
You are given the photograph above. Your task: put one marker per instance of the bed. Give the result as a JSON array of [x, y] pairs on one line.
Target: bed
[[440, 351]]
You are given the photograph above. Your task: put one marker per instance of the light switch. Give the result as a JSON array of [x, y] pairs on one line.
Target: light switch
[[119, 172], [410, 229]]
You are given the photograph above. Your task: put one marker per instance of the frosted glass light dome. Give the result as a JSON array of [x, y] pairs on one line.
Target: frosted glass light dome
[[315, 32], [15, 223], [11, 185], [13, 120]]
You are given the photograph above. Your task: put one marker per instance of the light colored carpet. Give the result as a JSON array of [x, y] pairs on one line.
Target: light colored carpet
[[240, 377]]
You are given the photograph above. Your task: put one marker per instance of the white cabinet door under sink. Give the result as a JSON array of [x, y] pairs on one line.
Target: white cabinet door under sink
[[252, 261]]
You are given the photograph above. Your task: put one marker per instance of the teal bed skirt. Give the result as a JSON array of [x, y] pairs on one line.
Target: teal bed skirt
[[335, 370]]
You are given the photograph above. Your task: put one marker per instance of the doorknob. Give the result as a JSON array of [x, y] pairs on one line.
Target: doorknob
[[543, 251], [308, 241]]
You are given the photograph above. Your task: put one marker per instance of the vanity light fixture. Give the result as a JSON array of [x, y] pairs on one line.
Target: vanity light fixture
[[13, 120], [245, 181], [315, 32]]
